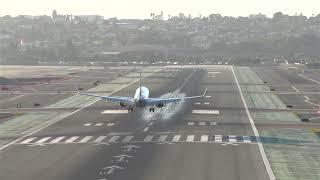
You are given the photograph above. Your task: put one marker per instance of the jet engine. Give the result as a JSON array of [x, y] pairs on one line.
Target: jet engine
[[160, 105], [123, 104]]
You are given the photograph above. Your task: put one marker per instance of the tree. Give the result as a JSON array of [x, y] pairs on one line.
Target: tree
[[54, 14], [277, 16]]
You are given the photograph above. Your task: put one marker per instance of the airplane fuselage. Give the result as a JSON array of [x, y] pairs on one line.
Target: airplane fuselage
[[139, 96]]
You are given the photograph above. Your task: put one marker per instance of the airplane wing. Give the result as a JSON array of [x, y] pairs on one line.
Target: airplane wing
[[116, 99], [155, 101]]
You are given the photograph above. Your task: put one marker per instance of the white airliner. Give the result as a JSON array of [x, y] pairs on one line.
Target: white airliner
[[141, 99]]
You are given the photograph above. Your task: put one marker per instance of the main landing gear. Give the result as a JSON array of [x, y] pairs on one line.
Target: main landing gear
[[151, 109], [130, 108]]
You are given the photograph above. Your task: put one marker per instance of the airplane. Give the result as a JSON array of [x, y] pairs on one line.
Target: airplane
[[121, 158], [130, 148], [111, 169], [141, 99]]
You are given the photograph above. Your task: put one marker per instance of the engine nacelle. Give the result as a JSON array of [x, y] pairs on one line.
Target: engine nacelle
[[123, 104], [160, 105]]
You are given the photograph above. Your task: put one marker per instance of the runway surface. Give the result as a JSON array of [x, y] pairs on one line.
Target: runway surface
[[213, 138]]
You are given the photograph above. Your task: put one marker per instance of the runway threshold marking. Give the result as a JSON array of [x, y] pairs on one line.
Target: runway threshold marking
[[58, 139], [99, 139], [214, 112], [73, 112], [190, 138], [190, 123], [85, 139], [246, 139], [98, 124], [28, 140], [113, 139], [255, 131], [204, 138], [218, 138], [127, 139], [176, 138], [232, 138], [114, 112], [161, 138], [43, 140], [73, 138], [148, 138]]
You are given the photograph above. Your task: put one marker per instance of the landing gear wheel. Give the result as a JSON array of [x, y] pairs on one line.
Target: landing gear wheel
[[130, 109], [151, 109]]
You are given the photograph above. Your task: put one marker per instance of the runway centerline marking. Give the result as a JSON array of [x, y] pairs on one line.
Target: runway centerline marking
[[63, 117], [255, 131]]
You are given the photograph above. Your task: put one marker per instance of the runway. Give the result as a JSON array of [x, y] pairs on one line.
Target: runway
[[85, 138]]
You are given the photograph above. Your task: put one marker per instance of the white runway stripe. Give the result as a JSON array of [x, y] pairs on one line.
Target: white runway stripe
[[190, 138], [113, 139], [232, 138], [216, 112], [127, 139], [163, 138], [73, 138], [43, 140], [28, 140], [99, 139], [190, 123], [99, 124], [218, 138], [202, 123], [148, 138], [204, 138], [85, 139], [87, 124], [114, 112], [58, 139], [213, 123], [246, 139], [110, 124], [176, 138]]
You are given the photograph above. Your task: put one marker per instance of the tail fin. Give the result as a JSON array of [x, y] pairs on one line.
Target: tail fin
[[140, 85]]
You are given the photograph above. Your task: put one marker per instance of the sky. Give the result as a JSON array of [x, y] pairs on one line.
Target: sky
[[142, 8]]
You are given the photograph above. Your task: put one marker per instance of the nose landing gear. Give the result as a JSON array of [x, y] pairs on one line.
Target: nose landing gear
[[151, 109]]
